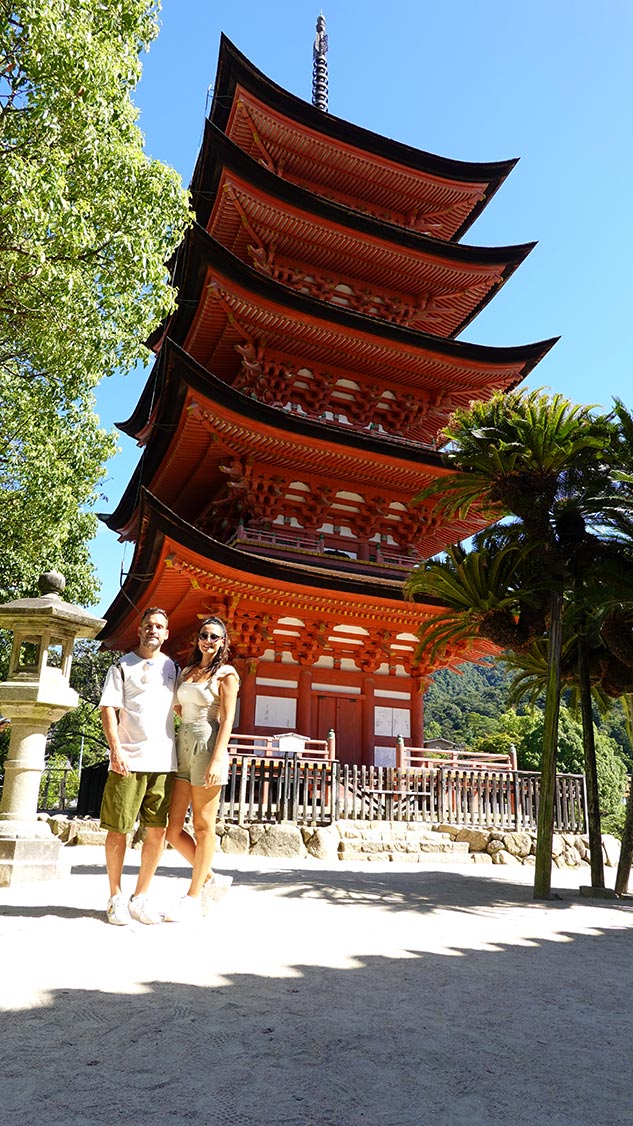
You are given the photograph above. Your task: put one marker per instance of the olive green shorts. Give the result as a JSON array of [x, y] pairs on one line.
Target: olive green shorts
[[138, 796]]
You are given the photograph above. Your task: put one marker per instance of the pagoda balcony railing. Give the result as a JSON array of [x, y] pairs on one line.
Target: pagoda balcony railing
[[282, 541]]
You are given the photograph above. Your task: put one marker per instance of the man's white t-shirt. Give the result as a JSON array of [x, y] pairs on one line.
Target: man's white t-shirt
[[143, 692]]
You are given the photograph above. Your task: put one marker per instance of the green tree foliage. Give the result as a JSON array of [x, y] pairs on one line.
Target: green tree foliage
[[458, 703], [79, 735], [611, 768], [549, 468], [453, 697], [87, 222]]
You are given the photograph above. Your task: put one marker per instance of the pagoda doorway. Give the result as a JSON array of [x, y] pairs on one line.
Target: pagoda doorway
[[343, 715]]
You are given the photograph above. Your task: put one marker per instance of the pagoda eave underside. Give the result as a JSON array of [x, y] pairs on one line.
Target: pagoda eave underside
[[192, 576], [355, 166], [302, 240], [191, 394], [204, 425], [225, 305]]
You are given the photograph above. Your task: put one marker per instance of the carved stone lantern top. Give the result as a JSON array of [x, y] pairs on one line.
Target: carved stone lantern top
[[44, 632]]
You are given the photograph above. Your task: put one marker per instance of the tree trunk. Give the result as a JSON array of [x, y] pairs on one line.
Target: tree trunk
[[626, 846], [626, 849], [591, 770], [545, 828]]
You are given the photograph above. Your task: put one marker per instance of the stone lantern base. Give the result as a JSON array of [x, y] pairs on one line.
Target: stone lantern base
[[24, 859]]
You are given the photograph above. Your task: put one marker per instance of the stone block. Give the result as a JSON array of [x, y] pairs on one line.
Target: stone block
[[477, 839], [454, 848], [59, 826], [558, 845], [481, 858], [519, 844], [572, 857], [596, 893], [502, 856], [236, 839], [84, 836], [279, 840], [413, 845], [24, 860], [323, 844]]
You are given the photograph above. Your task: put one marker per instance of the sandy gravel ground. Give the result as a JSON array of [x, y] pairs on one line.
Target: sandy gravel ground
[[318, 995]]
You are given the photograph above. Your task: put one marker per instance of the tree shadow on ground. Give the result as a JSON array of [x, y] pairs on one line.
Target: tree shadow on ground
[[418, 889], [526, 1035]]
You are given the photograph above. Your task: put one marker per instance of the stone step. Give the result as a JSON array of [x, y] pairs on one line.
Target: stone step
[[390, 832], [411, 850]]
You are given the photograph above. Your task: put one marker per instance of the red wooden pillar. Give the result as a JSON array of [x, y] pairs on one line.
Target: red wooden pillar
[[367, 734], [247, 669], [304, 703], [417, 714]]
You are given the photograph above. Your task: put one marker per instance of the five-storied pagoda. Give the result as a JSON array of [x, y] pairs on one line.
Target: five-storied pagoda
[[293, 410]]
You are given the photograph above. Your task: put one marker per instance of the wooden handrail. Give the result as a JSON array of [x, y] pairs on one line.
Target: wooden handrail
[[278, 746], [426, 757]]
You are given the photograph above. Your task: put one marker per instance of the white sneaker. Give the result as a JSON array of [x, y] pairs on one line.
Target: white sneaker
[[215, 888], [141, 910], [185, 910], [117, 911]]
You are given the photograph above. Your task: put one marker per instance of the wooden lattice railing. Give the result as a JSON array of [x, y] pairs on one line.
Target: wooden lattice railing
[[318, 792], [271, 787]]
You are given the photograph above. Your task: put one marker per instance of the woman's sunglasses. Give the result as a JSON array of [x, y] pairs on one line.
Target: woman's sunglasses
[[211, 636]]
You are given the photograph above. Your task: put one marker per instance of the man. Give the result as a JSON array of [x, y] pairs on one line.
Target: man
[[137, 714]]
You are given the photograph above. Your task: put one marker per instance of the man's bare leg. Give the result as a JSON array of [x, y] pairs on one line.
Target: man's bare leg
[[151, 853], [115, 846]]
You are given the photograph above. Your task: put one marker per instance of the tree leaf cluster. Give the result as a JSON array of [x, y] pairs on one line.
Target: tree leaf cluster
[[87, 223], [549, 582]]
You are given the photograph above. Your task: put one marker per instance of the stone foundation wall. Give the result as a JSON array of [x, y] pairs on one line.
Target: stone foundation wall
[[499, 846], [370, 840]]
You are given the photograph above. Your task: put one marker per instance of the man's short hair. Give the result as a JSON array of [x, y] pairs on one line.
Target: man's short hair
[[154, 610]]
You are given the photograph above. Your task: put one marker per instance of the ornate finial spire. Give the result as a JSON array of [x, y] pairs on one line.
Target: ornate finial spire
[[319, 66]]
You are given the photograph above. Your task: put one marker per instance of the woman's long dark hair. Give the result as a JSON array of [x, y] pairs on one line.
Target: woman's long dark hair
[[222, 653]]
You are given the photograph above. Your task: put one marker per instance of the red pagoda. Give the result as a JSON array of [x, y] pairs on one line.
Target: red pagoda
[[294, 407]]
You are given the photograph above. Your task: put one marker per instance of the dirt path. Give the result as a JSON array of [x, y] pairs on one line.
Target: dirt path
[[318, 995]]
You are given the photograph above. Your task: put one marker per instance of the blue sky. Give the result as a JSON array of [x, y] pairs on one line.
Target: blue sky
[[549, 81]]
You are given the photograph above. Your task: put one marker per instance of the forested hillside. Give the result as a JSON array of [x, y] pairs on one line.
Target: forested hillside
[[472, 707]]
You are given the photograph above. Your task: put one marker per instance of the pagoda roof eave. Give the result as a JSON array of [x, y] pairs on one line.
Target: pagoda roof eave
[[235, 69], [219, 151], [415, 256], [203, 252], [166, 537]]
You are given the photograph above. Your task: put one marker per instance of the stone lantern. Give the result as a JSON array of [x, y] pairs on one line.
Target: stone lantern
[[36, 694]]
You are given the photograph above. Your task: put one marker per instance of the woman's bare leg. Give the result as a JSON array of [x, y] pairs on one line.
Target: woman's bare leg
[[177, 836], [205, 802]]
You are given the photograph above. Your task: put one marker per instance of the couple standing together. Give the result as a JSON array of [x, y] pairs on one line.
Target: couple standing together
[[154, 780]]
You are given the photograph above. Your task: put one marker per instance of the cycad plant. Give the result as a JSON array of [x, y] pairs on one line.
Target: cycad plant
[[540, 467]]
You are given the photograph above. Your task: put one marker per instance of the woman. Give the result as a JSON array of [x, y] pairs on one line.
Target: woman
[[206, 698]]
